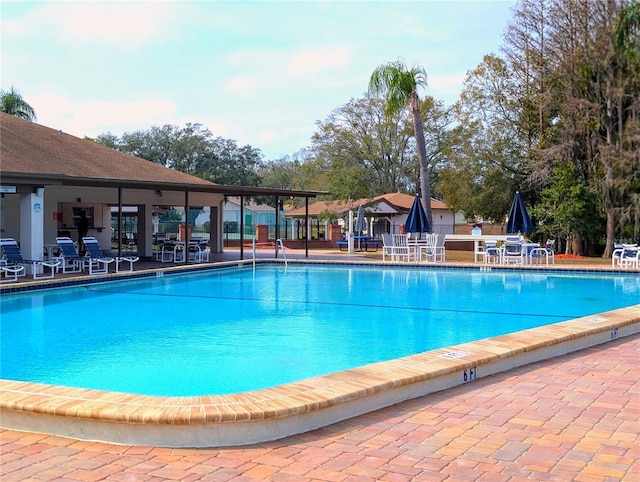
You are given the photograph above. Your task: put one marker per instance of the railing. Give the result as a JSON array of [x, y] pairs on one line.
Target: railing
[[253, 249], [280, 245]]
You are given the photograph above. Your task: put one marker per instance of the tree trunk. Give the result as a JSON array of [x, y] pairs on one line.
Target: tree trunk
[[425, 183]]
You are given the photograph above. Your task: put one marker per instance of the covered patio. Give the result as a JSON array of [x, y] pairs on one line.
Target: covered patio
[[49, 178]]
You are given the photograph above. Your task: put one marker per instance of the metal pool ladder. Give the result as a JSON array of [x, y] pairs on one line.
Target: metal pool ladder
[[279, 245]]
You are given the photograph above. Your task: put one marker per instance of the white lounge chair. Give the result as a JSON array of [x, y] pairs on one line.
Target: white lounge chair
[[96, 252], [10, 273], [98, 262], [71, 261], [14, 265]]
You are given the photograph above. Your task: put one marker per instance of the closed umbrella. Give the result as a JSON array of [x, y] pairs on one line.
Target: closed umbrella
[[361, 224], [417, 221], [519, 220]]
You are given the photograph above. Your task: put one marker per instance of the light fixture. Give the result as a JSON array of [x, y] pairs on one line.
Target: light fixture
[[158, 193]]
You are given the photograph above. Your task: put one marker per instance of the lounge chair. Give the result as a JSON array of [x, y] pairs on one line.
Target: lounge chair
[[98, 262], [72, 262], [95, 252], [13, 264], [125, 259], [10, 273]]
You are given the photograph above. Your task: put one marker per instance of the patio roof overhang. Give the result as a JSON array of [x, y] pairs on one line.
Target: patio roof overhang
[[206, 187], [30, 180]]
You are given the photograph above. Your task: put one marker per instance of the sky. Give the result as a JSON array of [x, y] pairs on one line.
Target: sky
[[262, 73]]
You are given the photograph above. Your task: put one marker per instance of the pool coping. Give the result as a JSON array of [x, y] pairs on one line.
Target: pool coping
[[298, 407]]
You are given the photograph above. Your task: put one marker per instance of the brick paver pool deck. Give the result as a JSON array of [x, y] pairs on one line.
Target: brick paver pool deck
[[571, 418]]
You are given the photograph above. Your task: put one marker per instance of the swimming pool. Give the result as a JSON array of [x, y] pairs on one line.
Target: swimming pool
[[230, 331], [296, 407]]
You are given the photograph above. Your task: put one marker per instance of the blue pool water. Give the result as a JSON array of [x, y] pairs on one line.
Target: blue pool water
[[234, 330]]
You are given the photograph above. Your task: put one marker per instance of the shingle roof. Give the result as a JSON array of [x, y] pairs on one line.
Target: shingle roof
[[405, 201], [34, 153], [30, 148], [400, 201]]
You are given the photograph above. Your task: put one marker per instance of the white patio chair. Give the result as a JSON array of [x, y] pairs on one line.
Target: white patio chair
[[543, 252], [480, 252], [396, 246], [492, 252], [425, 249], [512, 252], [438, 248], [629, 256], [387, 246]]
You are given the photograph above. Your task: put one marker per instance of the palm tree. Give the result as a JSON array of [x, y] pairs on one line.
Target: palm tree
[[11, 102], [399, 85]]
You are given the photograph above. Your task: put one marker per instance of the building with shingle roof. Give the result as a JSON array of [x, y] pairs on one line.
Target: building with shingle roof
[[47, 177], [385, 213]]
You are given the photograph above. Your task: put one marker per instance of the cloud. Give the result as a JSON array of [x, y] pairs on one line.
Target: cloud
[[446, 87], [268, 135], [92, 118], [242, 85], [319, 59], [123, 24], [262, 73]]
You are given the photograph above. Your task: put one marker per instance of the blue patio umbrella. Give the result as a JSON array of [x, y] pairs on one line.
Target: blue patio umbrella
[[417, 221], [519, 220], [361, 224]]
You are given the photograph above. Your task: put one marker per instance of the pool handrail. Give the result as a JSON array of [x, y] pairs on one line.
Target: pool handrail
[[280, 245]]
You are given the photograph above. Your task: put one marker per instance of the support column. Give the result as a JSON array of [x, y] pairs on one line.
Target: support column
[[262, 233], [215, 234], [145, 231], [32, 226], [335, 234]]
